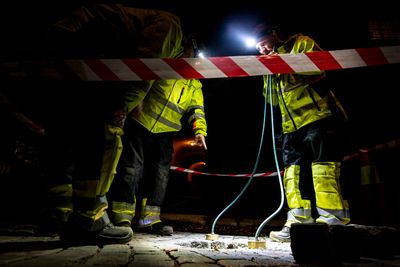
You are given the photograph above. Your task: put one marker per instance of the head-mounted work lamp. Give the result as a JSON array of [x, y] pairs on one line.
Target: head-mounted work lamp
[[197, 51]]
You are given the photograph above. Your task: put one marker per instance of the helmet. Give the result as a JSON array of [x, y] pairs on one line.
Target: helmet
[[264, 29], [191, 46]]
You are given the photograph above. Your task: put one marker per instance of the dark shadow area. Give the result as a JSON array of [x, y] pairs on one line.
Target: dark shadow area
[[30, 246]]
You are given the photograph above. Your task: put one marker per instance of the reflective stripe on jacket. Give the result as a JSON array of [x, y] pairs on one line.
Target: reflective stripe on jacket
[[299, 103], [167, 102]]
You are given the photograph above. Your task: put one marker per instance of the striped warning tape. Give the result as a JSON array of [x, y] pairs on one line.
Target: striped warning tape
[[393, 144], [390, 145], [203, 68], [180, 169]]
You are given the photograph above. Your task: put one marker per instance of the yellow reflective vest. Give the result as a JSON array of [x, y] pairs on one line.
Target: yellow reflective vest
[[167, 101], [299, 103]]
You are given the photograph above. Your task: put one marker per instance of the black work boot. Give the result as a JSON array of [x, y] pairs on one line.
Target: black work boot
[[157, 228], [109, 234], [150, 221], [112, 234], [123, 224]]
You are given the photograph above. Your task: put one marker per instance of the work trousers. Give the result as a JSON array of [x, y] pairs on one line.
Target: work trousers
[[312, 157], [145, 162]]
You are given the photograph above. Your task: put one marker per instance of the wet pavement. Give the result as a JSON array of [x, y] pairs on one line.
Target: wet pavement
[[20, 247]]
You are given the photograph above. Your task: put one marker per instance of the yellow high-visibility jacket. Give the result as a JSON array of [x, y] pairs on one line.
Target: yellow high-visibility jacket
[[167, 101], [114, 31], [299, 103], [120, 30]]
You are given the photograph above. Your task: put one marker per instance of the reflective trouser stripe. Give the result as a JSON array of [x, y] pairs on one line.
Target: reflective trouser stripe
[[369, 175], [299, 208], [61, 213], [88, 198], [93, 208], [149, 220], [112, 153], [64, 190], [91, 213], [329, 200], [122, 211], [60, 201], [149, 214], [299, 215], [368, 172]]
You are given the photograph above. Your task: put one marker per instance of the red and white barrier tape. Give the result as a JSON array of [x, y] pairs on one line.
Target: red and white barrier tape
[[265, 174], [393, 144], [390, 145], [203, 68]]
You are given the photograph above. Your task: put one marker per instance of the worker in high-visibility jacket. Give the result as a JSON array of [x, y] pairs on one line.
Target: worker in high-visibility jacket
[[148, 150], [102, 31], [311, 149]]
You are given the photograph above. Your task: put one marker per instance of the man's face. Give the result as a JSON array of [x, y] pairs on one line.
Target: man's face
[[266, 45]]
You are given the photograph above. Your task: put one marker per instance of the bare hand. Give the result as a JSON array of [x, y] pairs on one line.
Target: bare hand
[[200, 140]]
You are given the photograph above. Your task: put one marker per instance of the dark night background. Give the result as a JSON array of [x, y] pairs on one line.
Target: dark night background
[[234, 107]]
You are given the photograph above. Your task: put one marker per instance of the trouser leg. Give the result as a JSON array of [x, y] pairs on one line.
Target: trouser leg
[[89, 195], [60, 165], [158, 156], [155, 181], [299, 209], [331, 206], [125, 185]]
